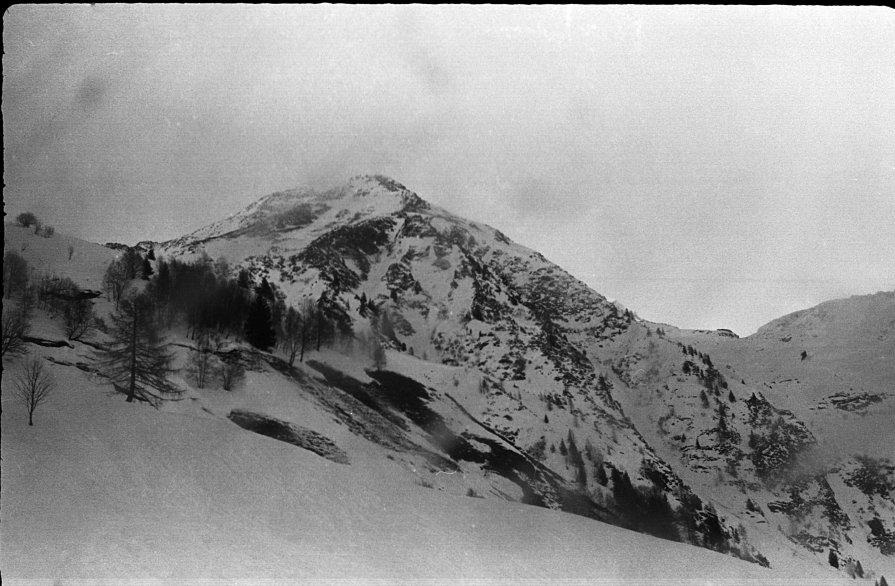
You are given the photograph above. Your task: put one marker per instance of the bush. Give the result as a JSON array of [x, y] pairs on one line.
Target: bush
[[26, 219]]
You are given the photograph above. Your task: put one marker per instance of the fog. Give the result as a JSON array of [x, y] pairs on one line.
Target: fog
[[706, 167]]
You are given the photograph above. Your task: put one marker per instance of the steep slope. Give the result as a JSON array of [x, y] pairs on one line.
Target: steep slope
[[539, 346], [102, 490], [789, 428]]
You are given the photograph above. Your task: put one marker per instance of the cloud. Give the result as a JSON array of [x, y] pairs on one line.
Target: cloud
[[626, 142]]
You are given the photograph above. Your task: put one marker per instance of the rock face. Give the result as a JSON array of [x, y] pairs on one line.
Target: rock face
[[579, 396]]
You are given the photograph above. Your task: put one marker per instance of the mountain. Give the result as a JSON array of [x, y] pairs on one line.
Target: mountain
[[556, 362], [507, 378]]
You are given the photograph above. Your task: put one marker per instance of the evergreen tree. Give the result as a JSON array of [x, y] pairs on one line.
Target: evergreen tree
[[146, 268], [601, 475], [15, 273], [833, 559], [259, 330], [137, 360], [244, 279]]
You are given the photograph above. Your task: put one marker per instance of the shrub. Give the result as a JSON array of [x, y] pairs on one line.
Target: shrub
[[26, 219]]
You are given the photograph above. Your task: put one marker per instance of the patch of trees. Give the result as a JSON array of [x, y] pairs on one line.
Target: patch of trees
[[880, 537], [873, 476], [16, 312], [207, 362], [645, 509], [211, 300], [203, 294], [63, 297]]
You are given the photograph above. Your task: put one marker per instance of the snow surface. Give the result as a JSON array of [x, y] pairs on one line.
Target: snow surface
[[102, 490]]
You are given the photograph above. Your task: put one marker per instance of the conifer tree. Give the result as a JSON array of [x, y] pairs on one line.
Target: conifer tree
[[137, 360], [601, 475], [259, 330], [146, 268]]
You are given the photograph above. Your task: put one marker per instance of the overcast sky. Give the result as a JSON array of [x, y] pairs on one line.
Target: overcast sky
[[706, 167]]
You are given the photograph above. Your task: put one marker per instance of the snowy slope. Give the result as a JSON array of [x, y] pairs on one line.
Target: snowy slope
[[100, 489], [499, 361], [50, 256]]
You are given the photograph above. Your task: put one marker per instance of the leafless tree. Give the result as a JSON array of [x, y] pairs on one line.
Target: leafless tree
[[79, 318], [115, 281], [202, 360], [232, 372], [15, 328], [34, 386]]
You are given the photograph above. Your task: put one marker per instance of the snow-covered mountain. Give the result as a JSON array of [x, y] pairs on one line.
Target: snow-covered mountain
[[509, 379]]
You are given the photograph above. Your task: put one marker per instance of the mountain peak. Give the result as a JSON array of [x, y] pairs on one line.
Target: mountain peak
[[361, 197]]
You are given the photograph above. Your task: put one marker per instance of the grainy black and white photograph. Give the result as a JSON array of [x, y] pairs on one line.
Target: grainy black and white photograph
[[415, 294]]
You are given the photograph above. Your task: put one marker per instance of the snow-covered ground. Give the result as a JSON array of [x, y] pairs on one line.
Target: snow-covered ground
[[103, 491]]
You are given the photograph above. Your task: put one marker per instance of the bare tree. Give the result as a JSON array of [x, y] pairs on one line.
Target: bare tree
[[15, 328], [34, 386], [79, 318], [232, 372], [115, 281], [202, 358], [291, 334]]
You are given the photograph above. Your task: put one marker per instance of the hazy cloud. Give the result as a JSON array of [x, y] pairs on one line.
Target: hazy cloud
[[706, 166]]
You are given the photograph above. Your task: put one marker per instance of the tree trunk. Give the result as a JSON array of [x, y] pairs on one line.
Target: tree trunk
[[131, 390]]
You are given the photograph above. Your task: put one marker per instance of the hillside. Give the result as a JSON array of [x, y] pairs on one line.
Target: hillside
[[99, 490], [505, 378]]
